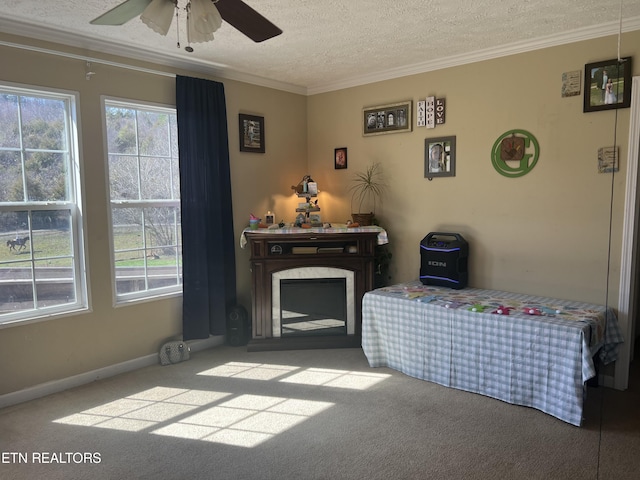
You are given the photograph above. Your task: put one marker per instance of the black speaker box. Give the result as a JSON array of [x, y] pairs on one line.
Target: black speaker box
[[237, 326], [443, 260]]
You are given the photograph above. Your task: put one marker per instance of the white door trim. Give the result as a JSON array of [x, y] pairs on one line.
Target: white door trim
[[626, 302]]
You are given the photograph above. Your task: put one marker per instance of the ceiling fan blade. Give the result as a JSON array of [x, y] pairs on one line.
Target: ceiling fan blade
[[245, 19], [122, 13]]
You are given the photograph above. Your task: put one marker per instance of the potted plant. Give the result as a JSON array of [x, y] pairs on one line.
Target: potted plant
[[366, 191]]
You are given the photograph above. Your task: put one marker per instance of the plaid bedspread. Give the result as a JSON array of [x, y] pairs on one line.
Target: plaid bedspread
[[525, 350]]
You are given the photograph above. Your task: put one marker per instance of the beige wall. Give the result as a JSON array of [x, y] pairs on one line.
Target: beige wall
[[65, 346], [545, 233]]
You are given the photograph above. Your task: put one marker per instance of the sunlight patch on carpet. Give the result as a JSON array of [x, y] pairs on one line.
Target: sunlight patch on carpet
[[144, 409], [210, 416], [245, 420], [336, 378], [291, 374], [249, 371]]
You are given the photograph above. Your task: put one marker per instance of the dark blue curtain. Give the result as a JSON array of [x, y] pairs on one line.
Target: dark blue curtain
[[208, 246]]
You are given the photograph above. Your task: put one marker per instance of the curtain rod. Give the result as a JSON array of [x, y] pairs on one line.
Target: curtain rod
[[87, 59]]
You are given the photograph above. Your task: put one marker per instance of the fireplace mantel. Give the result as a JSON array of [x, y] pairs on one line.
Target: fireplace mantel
[[274, 252]]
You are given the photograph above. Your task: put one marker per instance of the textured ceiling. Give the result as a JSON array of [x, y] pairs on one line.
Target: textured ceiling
[[332, 44]]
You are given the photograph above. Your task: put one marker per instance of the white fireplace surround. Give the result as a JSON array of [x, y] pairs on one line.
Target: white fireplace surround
[[311, 273]]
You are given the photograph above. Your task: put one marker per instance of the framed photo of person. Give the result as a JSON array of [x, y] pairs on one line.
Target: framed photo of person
[[607, 85], [340, 158], [251, 133], [440, 157]]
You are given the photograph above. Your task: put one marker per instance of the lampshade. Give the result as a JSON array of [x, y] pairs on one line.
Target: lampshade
[[158, 15], [193, 36], [205, 16], [202, 20]]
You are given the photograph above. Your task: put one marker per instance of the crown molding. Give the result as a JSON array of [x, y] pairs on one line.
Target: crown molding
[[16, 27], [572, 36], [174, 61]]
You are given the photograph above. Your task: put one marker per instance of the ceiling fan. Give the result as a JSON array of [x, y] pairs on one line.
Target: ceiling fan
[[203, 18]]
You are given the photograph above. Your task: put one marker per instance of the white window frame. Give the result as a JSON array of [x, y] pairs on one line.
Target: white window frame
[[75, 205], [149, 294]]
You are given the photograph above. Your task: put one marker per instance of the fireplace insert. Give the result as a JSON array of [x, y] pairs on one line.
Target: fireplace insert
[[313, 306]]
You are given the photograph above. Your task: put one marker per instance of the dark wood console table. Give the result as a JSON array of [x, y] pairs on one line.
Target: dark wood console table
[[273, 251]]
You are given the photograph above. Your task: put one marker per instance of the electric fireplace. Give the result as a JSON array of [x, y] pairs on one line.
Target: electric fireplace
[[307, 287]]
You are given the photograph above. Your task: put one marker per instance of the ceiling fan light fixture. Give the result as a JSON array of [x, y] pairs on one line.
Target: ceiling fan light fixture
[[193, 36], [195, 25], [158, 15], [205, 16]]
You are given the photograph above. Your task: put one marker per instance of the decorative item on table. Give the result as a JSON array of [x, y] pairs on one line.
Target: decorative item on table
[[307, 189], [366, 190], [476, 308], [315, 220], [254, 222], [269, 218], [302, 188], [428, 299], [551, 311], [453, 304], [300, 220], [532, 311], [501, 310]]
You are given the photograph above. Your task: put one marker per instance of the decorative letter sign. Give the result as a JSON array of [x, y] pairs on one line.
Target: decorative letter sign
[[440, 109], [421, 114], [430, 112]]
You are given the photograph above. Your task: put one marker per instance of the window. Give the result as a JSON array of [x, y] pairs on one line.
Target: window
[[42, 269], [144, 186]]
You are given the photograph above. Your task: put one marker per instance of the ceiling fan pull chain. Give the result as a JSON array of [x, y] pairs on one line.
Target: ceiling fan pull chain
[[177, 25], [188, 48]]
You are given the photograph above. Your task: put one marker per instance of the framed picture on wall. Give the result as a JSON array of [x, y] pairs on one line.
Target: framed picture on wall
[[607, 85], [340, 158], [251, 133], [440, 157], [391, 118]]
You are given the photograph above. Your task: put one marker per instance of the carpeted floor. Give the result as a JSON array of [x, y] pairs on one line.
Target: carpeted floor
[[314, 414]]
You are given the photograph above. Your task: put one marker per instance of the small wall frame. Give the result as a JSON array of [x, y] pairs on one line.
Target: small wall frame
[[251, 133], [440, 157], [340, 158], [392, 118]]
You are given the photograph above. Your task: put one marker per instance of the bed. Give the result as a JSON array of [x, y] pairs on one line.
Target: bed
[[525, 350]]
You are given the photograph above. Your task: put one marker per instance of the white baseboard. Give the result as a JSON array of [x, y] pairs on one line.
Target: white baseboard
[[56, 386]]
